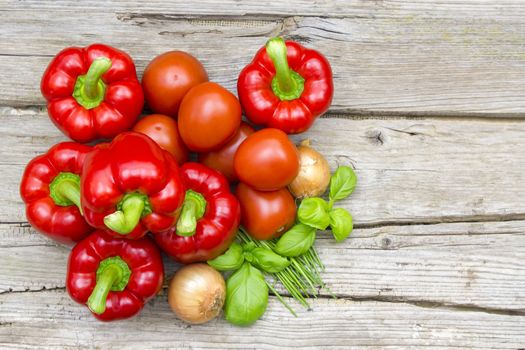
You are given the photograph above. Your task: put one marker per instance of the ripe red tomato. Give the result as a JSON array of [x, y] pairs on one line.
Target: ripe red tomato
[[163, 130], [209, 116], [222, 159], [267, 160], [168, 77], [266, 214]]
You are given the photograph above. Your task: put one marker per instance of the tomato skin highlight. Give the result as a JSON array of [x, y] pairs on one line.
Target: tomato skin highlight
[[267, 160], [167, 79], [209, 116], [266, 214], [222, 159], [164, 131]]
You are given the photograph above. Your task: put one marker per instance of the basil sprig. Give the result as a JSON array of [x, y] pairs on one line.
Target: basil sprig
[[317, 213], [342, 183], [296, 241], [341, 224], [246, 288], [231, 260], [246, 296], [268, 261], [314, 212]]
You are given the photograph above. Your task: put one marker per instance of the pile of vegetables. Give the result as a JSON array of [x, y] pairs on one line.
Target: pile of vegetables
[[162, 183]]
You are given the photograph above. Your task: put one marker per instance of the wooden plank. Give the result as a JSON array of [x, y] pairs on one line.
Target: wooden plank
[[462, 9], [409, 170], [423, 61], [477, 265], [51, 319]]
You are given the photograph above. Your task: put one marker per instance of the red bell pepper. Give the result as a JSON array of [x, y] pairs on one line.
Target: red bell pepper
[[92, 92], [209, 219], [131, 186], [114, 277], [286, 86], [50, 188]]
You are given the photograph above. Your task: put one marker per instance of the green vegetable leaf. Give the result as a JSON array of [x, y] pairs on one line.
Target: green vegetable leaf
[[341, 224], [342, 183], [246, 296], [232, 259], [248, 247], [314, 212], [268, 261], [296, 241]]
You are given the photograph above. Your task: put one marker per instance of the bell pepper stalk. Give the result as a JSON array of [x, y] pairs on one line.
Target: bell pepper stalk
[[209, 219], [114, 277], [193, 210], [286, 86], [92, 92], [131, 186], [50, 188], [129, 211]]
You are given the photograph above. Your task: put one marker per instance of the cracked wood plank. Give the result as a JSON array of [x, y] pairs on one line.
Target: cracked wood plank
[[478, 266], [394, 57], [409, 170], [53, 320], [274, 8]]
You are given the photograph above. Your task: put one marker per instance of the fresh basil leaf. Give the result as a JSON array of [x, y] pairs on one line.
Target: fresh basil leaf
[[248, 247], [342, 183], [246, 296], [341, 224], [232, 259], [296, 241], [268, 261], [314, 212], [248, 256]]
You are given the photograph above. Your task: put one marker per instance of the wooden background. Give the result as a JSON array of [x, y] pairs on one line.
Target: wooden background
[[429, 109]]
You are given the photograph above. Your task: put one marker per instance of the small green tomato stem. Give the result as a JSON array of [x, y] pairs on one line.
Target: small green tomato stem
[[65, 190], [97, 69], [193, 209], [123, 221], [287, 84], [112, 275]]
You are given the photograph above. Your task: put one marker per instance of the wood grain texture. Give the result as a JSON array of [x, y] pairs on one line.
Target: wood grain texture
[[470, 265], [437, 256], [334, 8], [388, 58], [410, 171], [29, 320]]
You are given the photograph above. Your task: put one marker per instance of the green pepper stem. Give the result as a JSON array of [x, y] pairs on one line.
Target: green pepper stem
[[65, 190], [112, 275], [125, 220], [276, 49], [97, 69], [193, 209], [89, 89], [97, 299], [287, 84]]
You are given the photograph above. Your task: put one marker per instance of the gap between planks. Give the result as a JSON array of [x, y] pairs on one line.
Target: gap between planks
[[341, 296], [379, 224], [380, 299], [411, 64], [350, 114]]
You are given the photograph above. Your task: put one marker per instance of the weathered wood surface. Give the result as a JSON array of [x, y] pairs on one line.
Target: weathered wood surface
[[437, 256], [50, 317], [410, 170], [388, 57], [470, 265]]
